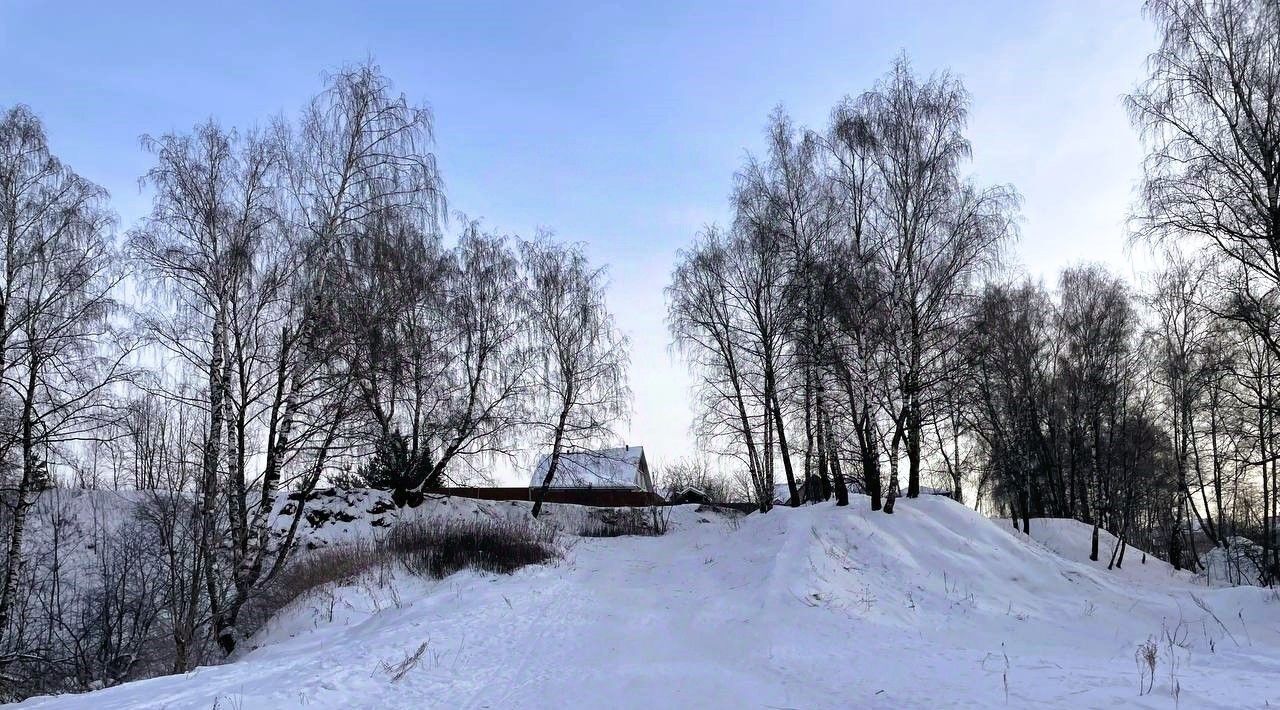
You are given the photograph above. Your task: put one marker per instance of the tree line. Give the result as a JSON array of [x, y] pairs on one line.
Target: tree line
[[823, 323], [292, 310], [295, 310]]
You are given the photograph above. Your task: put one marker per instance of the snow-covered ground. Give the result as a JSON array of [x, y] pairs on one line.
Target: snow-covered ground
[[817, 607]]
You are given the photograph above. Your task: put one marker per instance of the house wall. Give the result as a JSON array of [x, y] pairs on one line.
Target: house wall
[[599, 497]]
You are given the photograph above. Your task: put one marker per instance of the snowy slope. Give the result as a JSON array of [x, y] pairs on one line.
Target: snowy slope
[[1070, 539], [818, 607]]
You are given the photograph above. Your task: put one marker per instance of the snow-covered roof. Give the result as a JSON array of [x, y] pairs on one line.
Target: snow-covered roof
[[781, 494], [608, 468]]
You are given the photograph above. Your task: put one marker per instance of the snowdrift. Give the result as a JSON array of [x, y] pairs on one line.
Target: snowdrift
[[816, 607]]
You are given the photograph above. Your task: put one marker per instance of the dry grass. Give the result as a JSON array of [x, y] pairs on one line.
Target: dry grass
[[438, 549], [430, 548]]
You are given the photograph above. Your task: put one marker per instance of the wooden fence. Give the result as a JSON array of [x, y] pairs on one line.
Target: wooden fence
[[598, 497]]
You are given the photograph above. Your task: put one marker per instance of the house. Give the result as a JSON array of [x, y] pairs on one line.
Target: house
[[690, 495], [807, 490], [935, 491], [782, 494], [619, 469], [611, 478], [608, 477]]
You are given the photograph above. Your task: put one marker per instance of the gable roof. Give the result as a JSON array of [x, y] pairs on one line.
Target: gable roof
[[607, 468], [782, 493]]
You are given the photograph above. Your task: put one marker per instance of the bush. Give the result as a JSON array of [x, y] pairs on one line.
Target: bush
[[90, 604], [433, 548], [438, 548], [310, 571], [397, 467], [616, 522]]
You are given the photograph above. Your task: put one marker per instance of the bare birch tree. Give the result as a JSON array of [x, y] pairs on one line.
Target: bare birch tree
[[939, 231], [707, 330], [580, 384], [1209, 112], [59, 353]]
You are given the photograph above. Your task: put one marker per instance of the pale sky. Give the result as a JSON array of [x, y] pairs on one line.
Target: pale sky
[[620, 127]]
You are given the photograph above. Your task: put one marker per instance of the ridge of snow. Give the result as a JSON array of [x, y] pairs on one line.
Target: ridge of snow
[[814, 607]]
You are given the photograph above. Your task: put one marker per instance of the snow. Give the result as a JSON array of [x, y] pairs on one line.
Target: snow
[[815, 607], [607, 468], [1232, 565], [1071, 539], [1220, 567]]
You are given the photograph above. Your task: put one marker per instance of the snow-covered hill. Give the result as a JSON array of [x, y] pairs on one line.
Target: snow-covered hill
[[817, 607]]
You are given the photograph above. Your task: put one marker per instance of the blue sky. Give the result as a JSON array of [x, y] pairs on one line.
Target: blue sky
[[616, 125]]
